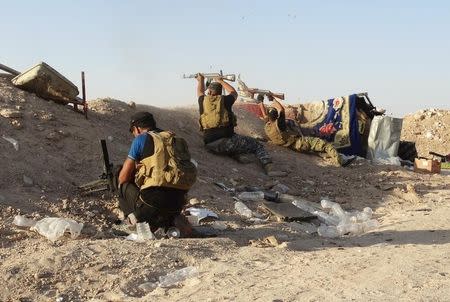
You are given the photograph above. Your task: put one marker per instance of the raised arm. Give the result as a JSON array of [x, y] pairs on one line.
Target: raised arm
[[263, 110], [228, 88], [277, 105], [201, 85]]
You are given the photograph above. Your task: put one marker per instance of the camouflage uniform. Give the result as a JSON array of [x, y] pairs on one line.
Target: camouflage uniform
[[315, 144], [294, 141], [238, 145]]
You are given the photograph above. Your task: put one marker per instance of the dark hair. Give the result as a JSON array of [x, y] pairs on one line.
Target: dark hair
[[216, 87], [273, 114], [260, 97], [142, 119]]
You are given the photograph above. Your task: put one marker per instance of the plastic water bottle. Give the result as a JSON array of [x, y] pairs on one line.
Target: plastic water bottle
[[327, 219], [251, 196], [335, 208], [243, 210], [328, 231], [143, 231]]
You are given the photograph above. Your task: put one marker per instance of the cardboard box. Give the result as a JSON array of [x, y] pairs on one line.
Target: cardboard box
[[427, 165]]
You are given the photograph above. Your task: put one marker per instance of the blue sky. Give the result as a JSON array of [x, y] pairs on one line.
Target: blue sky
[[398, 51]]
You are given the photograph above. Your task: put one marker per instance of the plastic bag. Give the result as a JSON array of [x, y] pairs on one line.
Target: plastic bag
[[54, 227]]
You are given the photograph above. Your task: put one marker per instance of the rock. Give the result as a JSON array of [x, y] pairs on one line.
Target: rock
[[10, 113], [52, 136], [28, 182], [110, 138], [194, 201], [132, 104], [47, 117], [283, 189], [16, 124]]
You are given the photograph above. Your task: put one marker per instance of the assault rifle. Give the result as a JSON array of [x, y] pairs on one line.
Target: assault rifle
[[228, 77], [266, 92], [106, 181]]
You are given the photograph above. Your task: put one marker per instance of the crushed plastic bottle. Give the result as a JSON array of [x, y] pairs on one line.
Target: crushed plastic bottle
[[243, 210], [143, 232], [178, 276], [22, 221], [251, 196]]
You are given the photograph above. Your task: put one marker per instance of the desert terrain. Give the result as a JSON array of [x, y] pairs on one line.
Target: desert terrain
[[406, 259]]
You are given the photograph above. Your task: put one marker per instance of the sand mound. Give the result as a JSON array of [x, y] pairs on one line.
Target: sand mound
[[430, 129]]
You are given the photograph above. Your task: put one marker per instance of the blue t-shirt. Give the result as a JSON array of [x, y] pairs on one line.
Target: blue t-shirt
[[137, 147]]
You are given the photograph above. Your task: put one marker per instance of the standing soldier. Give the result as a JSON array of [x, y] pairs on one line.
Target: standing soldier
[[217, 122]]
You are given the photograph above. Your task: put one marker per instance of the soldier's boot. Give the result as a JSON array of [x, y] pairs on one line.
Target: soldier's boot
[[273, 172]]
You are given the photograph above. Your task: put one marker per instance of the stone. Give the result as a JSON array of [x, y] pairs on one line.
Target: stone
[[194, 201], [132, 104], [10, 113], [28, 182], [16, 124]]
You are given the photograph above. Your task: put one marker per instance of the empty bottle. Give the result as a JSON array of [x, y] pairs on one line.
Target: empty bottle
[[328, 231], [327, 219], [242, 209], [143, 231], [251, 196], [335, 208]]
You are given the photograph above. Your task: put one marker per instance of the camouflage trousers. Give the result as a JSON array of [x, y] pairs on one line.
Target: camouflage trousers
[[315, 144], [238, 145]]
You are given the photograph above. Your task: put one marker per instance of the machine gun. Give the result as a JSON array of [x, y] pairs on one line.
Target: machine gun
[[106, 181], [228, 77], [266, 92]]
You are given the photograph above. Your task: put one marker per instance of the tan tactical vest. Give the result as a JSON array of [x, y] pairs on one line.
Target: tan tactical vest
[[278, 137], [169, 166], [215, 114]]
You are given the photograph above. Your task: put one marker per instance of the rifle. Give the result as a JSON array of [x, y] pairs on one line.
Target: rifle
[[228, 77], [444, 158], [106, 181], [266, 92]]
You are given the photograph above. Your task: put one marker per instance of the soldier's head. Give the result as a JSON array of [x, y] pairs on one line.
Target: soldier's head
[[272, 114], [260, 98], [142, 121], [215, 88]]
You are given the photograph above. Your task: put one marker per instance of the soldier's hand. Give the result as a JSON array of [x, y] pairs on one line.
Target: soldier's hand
[[218, 79], [200, 77]]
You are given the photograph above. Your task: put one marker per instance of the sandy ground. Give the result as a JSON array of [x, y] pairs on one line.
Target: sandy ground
[[406, 259]]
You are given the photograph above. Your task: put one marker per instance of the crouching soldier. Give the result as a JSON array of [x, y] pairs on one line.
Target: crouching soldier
[[280, 134], [217, 121], [156, 176]]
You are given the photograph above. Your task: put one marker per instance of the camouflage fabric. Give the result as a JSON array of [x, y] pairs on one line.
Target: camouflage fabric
[[315, 144], [239, 144]]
